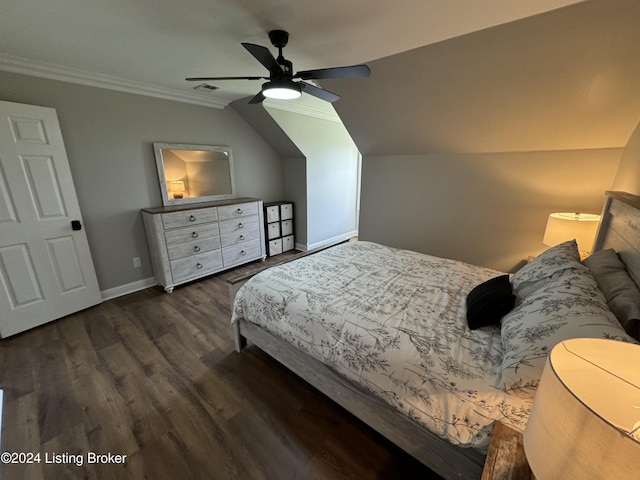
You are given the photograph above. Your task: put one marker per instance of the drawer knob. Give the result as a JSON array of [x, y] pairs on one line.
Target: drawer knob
[[243, 253], [239, 211], [241, 237], [240, 225], [194, 234], [198, 266], [192, 218], [196, 248]]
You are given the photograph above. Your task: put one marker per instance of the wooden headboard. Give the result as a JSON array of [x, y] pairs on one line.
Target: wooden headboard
[[620, 230]]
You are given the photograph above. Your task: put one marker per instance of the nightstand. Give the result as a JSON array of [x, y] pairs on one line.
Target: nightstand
[[506, 459]]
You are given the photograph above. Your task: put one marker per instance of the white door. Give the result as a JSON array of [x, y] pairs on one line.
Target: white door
[[46, 271]]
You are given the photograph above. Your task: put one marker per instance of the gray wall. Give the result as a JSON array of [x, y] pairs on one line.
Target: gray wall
[[331, 171], [294, 177], [108, 138]]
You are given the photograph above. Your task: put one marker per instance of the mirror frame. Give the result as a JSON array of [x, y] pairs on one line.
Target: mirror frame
[[166, 198]]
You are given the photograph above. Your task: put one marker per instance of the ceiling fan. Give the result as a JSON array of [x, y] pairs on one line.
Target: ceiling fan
[[282, 82]]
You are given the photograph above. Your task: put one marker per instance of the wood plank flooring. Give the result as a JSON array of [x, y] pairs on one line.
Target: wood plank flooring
[[154, 376]]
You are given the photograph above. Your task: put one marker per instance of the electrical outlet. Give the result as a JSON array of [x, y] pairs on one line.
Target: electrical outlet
[[137, 263]]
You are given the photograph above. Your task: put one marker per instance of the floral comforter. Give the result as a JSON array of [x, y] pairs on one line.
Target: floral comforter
[[393, 321]]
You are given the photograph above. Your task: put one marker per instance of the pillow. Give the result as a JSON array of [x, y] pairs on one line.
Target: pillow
[[571, 306], [620, 291], [488, 302], [546, 266]]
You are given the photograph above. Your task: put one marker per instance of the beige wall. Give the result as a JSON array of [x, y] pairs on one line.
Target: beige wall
[[108, 137], [628, 175], [470, 143], [486, 209]]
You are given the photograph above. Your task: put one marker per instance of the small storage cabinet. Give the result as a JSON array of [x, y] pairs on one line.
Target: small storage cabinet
[[192, 241], [279, 227]]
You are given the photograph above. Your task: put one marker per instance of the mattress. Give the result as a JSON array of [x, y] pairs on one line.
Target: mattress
[[394, 321]]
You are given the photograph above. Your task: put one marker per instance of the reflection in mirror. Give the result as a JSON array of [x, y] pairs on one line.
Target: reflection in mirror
[[194, 173]]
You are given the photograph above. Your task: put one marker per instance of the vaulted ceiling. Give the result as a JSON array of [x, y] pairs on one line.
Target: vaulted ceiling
[[568, 79], [151, 46]]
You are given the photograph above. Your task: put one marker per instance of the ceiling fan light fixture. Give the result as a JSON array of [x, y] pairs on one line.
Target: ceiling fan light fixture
[[281, 90]]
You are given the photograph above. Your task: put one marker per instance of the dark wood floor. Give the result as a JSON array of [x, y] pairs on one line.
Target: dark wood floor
[[154, 376]]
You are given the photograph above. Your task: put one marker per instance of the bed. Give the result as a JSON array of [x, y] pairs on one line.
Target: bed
[[423, 349]]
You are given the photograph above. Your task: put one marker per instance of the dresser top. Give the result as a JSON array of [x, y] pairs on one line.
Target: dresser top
[[194, 206]]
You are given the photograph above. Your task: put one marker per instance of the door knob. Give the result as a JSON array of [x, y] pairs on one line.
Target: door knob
[[76, 225]]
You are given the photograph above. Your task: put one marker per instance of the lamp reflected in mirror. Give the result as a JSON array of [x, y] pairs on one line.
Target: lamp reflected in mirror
[[176, 188]]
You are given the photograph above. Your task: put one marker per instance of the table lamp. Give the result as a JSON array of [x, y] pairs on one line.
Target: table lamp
[[585, 420], [567, 226]]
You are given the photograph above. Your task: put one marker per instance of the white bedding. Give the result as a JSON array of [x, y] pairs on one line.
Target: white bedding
[[394, 321]]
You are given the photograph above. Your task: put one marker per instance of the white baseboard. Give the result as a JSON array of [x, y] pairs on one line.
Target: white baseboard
[[328, 242], [128, 288]]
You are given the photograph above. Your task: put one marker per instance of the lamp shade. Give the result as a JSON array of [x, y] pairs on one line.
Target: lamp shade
[[176, 186], [567, 226], [585, 410]]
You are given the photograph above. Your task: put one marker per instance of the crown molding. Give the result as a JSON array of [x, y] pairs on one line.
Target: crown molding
[[297, 106], [66, 74]]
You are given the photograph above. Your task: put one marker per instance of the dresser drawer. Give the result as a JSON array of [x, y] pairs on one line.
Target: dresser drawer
[[189, 217], [238, 210], [244, 235], [239, 225], [195, 266], [195, 247], [196, 232], [241, 253]]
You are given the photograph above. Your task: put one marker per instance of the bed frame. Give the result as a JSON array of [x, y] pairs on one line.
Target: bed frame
[[619, 229]]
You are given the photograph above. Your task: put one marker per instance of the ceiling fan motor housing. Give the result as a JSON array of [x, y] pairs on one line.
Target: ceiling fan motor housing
[[279, 38]]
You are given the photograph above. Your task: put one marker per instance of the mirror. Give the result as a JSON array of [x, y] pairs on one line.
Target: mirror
[[194, 173]]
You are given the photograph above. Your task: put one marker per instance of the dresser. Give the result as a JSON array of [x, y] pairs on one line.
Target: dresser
[[191, 241], [279, 227]]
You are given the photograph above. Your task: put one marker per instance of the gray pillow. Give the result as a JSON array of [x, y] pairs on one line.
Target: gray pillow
[[620, 291]]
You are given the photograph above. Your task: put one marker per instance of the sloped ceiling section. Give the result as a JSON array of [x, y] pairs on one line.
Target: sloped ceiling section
[[260, 119], [566, 79]]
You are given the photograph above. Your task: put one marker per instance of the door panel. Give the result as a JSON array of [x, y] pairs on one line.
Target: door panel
[[41, 176], [7, 210], [46, 270], [28, 130], [18, 276], [66, 264]]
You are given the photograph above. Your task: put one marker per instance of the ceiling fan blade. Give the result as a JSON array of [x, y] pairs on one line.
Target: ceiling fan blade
[[353, 71], [263, 55], [259, 98], [319, 92], [204, 79]]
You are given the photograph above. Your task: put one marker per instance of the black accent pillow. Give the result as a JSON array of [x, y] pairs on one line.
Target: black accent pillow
[[488, 302]]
